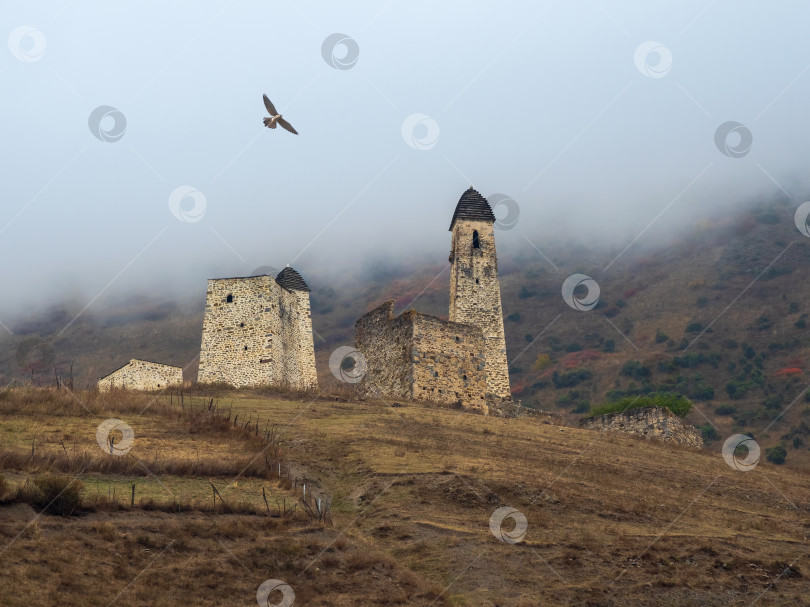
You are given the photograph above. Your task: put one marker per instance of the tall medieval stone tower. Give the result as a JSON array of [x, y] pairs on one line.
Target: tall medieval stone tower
[[475, 292]]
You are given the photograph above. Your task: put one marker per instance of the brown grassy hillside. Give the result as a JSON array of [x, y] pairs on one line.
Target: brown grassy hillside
[[610, 520]]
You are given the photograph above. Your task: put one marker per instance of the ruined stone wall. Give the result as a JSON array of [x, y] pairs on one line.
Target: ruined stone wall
[[475, 296], [256, 338], [421, 357], [649, 422], [386, 343], [142, 375], [448, 362]]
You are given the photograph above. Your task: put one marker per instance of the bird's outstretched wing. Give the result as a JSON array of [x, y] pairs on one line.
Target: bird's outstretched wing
[[269, 105], [287, 125]]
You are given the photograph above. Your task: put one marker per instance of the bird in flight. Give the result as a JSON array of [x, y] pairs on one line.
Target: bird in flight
[[275, 117]]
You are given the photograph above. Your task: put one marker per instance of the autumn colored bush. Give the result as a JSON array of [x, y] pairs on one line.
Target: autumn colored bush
[[788, 372]]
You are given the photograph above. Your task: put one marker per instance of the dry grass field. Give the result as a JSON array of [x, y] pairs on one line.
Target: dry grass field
[[611, 520]]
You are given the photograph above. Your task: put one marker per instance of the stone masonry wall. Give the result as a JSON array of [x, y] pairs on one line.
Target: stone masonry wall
[[142, 375], [421, 357], [386, 342], [448, 362], [263, 336], [475, 296], [649, 422]]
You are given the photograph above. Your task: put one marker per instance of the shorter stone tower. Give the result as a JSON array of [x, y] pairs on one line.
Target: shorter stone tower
[[257, 331], [475, 292]]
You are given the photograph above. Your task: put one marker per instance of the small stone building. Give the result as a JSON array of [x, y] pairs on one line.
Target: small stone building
[[257, 331], [461, 360], [142, 375], [649, 422]]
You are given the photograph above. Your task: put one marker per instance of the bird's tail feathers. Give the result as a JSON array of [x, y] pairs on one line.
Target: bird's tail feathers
[[268, 122]]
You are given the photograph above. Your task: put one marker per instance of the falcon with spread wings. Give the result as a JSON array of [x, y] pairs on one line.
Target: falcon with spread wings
[[275, 117]]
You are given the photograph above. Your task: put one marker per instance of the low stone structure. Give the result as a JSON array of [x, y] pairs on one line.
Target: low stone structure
[[142, 375], [422, 357], [257, 331], [649, 422]]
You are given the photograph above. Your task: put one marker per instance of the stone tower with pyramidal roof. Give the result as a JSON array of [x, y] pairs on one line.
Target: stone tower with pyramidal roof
[[475, 292]]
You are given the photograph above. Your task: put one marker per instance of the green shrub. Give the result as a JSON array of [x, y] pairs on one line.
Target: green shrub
[[660, 337], [528, 337], [582, 407], [610, 346], [708, 432], [736, 389], [569, 379], [694, 327], [725, 410], [776, 455], [514, 317], [567, 398], [635, 370], [702, 302], [701, 391], [692, 360], [3, 486], [667, 366], [573, 347], [774, 401], [525, 292], [676, 403], [797, 442]]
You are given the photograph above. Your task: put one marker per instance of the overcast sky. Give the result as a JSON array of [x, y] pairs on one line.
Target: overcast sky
[[598, 118]]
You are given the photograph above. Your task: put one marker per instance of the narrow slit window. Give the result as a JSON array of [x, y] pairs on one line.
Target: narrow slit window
[[229, 299], [476, 242]]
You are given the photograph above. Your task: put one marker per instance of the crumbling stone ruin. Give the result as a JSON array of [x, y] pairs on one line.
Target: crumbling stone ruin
[[462, 360], [257, 331], [649, 422], [142, 375]]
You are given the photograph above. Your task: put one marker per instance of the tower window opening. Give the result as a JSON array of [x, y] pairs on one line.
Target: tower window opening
[[477, 281], [476, 242], [245, 347], [229, 299]]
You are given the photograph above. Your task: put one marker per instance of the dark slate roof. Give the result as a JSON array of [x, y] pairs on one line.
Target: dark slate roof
[[291, 280], [473, 206]]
